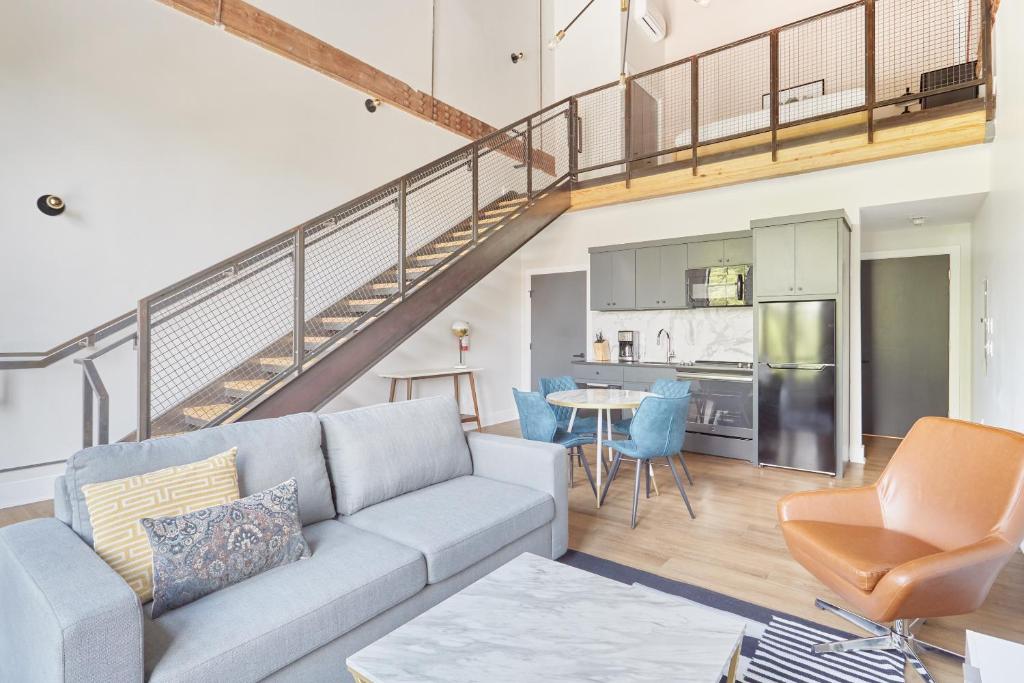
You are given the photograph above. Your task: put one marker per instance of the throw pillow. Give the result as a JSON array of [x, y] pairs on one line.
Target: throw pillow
[[115, 508], [201, 552]]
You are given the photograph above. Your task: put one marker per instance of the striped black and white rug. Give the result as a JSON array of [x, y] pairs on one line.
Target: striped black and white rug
[[776, 646]]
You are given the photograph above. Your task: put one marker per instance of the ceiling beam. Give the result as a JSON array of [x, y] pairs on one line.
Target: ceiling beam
[[248, 22]]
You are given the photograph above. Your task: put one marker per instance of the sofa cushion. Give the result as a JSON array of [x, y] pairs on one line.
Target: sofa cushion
[[459, 522], [251, 629], [383, 451], [269, 452], [202, 552], [117, 507]]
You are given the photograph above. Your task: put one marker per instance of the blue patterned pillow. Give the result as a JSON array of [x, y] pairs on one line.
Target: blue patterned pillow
[[201, 552]]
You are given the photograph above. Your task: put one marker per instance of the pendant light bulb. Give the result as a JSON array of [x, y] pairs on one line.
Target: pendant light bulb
[[556, 40]]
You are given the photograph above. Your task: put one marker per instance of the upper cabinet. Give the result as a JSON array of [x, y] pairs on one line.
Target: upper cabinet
[[660, 276], [652, 275], [613, 280], [799, 259], [739, 250]]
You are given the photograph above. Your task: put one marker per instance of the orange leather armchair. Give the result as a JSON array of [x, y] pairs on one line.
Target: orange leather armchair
[[928, 539]]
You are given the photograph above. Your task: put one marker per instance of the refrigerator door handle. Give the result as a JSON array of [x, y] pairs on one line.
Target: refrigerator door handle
[[799, 366]]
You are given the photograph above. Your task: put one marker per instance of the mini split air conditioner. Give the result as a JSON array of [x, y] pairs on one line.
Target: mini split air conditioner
[[650, 21]]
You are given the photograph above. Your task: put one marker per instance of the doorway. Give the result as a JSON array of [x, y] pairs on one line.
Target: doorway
[[558, 323], [905, 341]]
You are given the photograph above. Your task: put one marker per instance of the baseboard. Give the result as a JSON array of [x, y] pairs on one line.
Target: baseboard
[[29, 485], [500, 416], [857, 453]]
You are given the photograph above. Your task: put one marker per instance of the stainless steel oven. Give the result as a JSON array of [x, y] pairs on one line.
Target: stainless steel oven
[[721, 418], [720, 286]]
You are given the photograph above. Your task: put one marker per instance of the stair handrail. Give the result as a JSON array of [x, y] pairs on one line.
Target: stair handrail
[[513, 140], [26, 360]]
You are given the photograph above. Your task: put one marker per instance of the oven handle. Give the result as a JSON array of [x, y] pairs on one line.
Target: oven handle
[[718, 378]]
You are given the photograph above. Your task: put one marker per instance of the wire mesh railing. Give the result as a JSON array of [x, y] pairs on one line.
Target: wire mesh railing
[[866, 57], [216, 342]]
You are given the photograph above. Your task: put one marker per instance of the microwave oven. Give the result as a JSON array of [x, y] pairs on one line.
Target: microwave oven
[[720, 286]]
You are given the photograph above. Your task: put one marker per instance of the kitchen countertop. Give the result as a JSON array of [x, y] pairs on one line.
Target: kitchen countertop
[[630, 364]]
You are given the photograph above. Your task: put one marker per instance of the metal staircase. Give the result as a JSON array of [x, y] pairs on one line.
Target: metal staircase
[[289, 323]]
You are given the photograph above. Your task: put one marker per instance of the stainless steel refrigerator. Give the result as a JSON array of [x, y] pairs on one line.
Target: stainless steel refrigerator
[[796, 385]]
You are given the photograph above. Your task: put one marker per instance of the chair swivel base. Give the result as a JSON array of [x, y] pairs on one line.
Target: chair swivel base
[[899, 637]]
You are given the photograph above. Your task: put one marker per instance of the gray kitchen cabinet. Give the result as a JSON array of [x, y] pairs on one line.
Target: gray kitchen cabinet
[[673, 275], [624, 279], [613, 280], [660, 277], [601, 281], [817, 257], [738, 251], [775, 257], [648, 277], [800, 259], [705, 254]]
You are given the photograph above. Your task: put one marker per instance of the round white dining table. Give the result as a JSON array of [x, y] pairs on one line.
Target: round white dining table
[[604, 401]]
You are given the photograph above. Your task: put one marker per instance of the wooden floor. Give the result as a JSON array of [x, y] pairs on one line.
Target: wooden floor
[[734, 546]]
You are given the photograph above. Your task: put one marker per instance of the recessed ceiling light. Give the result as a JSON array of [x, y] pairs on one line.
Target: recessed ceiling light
[[917, 220]]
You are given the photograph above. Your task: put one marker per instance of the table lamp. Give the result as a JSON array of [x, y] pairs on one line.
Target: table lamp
[[460, 328]]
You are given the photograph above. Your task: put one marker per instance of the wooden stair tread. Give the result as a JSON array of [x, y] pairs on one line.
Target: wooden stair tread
[[451, 243], [431, 257], [384, 285], [517, 200], [244, 384], [276, 361], [207, 412], [339, 319], [364, 302]]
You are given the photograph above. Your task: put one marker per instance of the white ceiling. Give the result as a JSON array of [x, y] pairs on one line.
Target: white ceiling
[[939, 211]]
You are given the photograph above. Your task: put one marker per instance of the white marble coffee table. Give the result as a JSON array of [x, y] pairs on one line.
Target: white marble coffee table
[[534, 619]]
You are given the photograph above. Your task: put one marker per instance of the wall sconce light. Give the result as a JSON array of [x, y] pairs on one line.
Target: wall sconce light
[[372, 103], [50, 204], [517, 57]]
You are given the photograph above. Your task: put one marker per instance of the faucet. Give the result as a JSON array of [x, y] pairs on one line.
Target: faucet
[[670, 356]]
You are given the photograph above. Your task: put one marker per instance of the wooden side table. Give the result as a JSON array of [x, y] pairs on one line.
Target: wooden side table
[[411, 376]]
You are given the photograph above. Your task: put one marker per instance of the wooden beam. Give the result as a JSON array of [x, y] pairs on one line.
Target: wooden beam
[[251, 23], [924, 135]]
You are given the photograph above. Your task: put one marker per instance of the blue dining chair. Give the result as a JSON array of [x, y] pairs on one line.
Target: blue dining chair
[[537, 422], [657, 431], [671, 388], [582, 425]]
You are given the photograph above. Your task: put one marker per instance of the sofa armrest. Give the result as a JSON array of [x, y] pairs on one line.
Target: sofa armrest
[[534, 464], [67, 616]]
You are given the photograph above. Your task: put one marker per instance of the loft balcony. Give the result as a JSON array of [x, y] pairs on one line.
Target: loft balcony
[[870, 80]]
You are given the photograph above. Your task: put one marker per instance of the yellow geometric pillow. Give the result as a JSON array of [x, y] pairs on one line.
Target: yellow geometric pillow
[[115, 508]]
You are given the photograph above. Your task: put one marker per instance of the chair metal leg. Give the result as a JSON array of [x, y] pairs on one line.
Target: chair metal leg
[[572, 467], [679, 485], [636, 494], [611, 476], [686, 470], [855, 619], [647, 471], [916, 664], [586, 470], [872, 643], [899, 637]]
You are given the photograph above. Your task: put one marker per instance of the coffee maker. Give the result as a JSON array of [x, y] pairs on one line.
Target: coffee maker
[[629, 346]]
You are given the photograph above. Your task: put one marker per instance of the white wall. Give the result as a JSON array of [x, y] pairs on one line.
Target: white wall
[[999, 240], [175, 145], [939, 174], [471, 66], [956, 239]]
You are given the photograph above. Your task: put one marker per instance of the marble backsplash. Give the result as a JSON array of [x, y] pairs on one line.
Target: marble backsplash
[[725, 334]]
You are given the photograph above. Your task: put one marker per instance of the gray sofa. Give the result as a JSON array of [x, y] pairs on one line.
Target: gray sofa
[[400, 507]]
